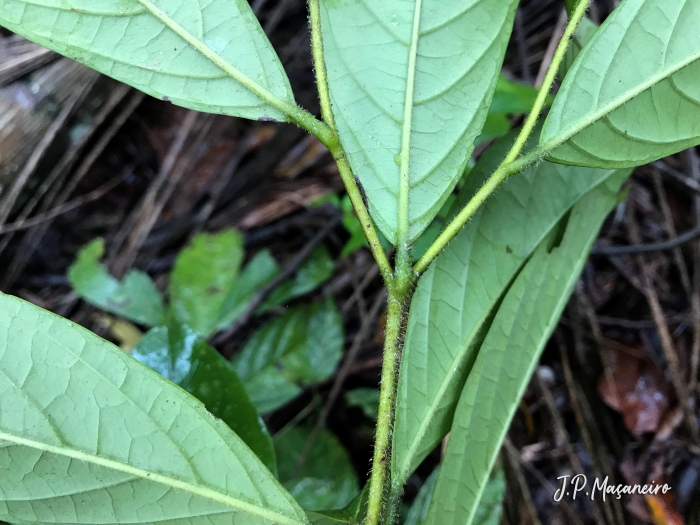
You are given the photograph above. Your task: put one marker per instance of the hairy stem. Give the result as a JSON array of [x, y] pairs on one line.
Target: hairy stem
[[380, 479], [511, 164], [335, 147], [320, 63]]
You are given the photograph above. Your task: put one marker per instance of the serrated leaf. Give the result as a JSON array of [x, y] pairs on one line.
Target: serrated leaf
[[326, 480], [203, 276], [456, 296], [316, 270], [90, 435], [410, 84], [179, 355], [301, 347], [210, 55], [633, 93], [135, 297], [526, 318]]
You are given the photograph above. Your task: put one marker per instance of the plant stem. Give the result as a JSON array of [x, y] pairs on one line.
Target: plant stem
[[320, 63], [511, 164], [380, 479], [336, 148], [299, 116]]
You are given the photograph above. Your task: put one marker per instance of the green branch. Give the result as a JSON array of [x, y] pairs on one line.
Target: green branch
[[320, 64], [336, 148], [511, 164]]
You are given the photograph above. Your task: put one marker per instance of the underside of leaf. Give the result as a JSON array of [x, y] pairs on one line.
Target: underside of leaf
[[410, 83], [633, 93], [89, 435], [209, 55]]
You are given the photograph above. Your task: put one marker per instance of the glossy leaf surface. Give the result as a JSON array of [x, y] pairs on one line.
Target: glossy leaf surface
[[135, 297], [208, 55], [326, 479], [89, 435], [456, 296], [301, 347], [203, 277], [179, 355], [633, 93], [526, 318], [410, 84]]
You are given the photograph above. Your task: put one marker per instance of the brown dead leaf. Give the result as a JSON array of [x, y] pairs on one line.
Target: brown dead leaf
[[636, 388], [663, 511]]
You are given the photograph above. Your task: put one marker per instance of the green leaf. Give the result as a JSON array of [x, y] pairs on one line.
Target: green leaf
[[410, 84], [487, 513], [583, 34], [202, 279], [90, 435], [514, 98], [135, 298], [326, 480], [366, 399], [571, 6], [496, 126], [419, 508], [317, 269], [490, 506], [209, 55], [257, 273], [301, 347], [526, 318], [456, 296], [633, 94], [179, 355]]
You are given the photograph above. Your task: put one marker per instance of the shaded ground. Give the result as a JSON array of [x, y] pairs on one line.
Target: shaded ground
[[616, 390]]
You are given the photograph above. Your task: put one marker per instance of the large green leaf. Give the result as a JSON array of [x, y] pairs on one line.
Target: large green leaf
[[488, 512], [633, 93], [202, 278], [326, 479], [526, 318], [456, 296], [209, 55], [179, 355], [410, 83], [135, 298], [90, 435], [299, 348]]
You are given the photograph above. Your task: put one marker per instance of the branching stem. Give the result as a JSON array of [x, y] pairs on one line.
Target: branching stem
[[511, 163], [336, 148]]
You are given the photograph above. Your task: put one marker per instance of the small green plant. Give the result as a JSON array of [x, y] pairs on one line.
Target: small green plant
[[89, 435]]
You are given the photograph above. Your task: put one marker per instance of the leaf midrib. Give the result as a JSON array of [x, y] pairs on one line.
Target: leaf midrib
[[263, 93], [177, 484], [561, 137], [404, 173]]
